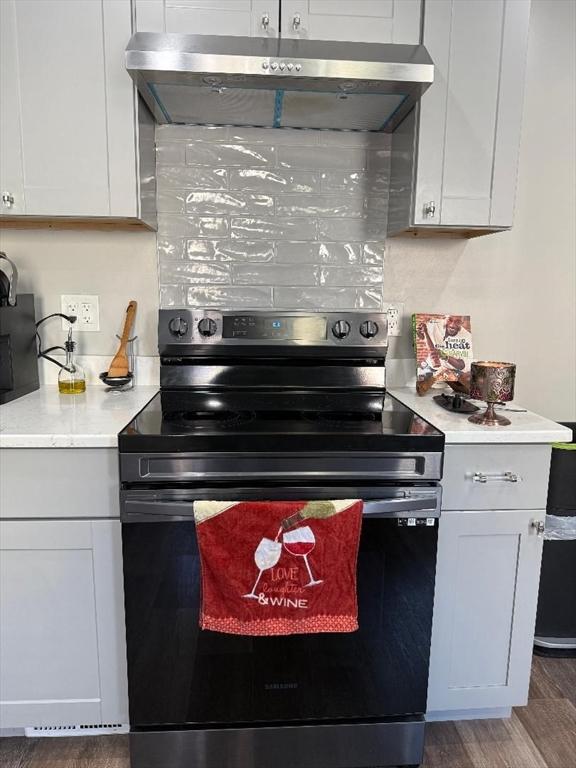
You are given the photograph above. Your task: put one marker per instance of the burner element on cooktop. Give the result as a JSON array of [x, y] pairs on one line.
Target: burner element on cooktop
[[222, 418]]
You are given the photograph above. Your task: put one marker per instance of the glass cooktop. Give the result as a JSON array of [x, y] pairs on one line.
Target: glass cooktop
[[176, 420]]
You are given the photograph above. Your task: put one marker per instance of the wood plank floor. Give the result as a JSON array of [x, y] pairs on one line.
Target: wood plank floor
[[541, 735]]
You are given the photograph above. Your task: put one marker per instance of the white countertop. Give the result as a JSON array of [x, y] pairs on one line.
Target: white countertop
[[526, 427], [47, 419]]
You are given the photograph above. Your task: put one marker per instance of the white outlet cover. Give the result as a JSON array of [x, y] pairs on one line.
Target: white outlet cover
[[395, 311], [71, 304]]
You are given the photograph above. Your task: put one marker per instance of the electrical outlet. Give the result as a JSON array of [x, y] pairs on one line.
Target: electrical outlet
[[395, 311], [86, 310]]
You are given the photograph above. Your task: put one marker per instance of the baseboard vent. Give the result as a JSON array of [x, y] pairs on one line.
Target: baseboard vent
[[51, 731]]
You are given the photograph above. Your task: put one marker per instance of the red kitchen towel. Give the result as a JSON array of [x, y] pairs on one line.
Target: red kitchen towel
[[278, 567]]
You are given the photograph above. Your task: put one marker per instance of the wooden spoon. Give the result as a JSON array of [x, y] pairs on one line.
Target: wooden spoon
[[119, 365]]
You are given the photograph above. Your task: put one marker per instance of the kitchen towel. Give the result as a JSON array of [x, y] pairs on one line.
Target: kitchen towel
[[278, 567]]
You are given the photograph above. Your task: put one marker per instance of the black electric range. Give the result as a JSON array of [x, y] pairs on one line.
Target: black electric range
[[289, 406]]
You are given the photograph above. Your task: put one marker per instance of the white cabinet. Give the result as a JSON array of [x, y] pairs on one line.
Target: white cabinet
[[484, 611], [71, 137], [62, 647], [248, 18], [364, 21], [466, 129]]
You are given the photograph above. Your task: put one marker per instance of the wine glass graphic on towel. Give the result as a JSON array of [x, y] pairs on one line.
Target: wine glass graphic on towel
[[300, 542], [266, 556]]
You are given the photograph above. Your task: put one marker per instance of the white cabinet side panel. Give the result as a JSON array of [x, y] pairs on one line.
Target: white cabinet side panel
[[11, 169], [109, 591], [475, 49], [407, 21], [120, 110], [509, 119], [149, 16], [432, 110]]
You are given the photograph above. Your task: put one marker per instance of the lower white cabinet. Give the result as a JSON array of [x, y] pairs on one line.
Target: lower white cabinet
[[62, 644], [485, 610]]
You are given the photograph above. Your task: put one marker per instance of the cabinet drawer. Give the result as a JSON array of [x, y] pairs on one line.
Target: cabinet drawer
[[495, 476]]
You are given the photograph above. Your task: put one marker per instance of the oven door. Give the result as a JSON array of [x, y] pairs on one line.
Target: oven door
[[180, 675]]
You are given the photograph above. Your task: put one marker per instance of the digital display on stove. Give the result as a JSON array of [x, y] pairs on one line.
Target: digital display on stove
[[279, 328]]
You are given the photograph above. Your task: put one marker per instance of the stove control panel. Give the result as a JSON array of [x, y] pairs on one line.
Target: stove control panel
[[282, 328]]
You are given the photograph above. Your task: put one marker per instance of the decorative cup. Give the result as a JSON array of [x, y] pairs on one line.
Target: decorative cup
[[492, 382]]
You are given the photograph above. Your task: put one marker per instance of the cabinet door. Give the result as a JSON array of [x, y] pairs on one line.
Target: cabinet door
[[487, 575], [470, 117], [364, 21], [61, 624], [62, 94], [11, 171], [248, 18]]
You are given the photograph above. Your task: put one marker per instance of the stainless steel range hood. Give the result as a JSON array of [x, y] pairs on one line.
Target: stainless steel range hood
[[214, 80]]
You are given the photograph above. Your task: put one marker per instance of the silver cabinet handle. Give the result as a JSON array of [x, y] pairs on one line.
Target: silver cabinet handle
[[503, 477], [7, 200], [265, 21], [430, 209], [296, 22], [539, 526]]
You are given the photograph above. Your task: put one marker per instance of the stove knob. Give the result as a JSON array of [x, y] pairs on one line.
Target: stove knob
[[178, 326], [207, 326], [369, 329], [341, 329]]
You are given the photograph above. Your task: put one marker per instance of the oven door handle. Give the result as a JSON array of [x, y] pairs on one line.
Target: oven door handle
[[159, 509]]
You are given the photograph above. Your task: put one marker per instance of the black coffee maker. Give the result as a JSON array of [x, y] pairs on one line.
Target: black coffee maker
[[18, 353]]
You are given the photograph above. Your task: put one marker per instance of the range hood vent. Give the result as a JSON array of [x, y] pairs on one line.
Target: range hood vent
[[217, 80]]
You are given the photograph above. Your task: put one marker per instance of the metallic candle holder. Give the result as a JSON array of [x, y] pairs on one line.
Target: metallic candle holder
[[492, 382]]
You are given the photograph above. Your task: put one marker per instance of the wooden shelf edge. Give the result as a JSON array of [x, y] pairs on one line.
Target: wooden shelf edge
[[74, 222], [461, 233]]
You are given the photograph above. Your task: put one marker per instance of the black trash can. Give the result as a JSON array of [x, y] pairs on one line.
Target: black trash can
[[556, 617]]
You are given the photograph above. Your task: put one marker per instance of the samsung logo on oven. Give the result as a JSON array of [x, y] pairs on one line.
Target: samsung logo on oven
[[279, 686]]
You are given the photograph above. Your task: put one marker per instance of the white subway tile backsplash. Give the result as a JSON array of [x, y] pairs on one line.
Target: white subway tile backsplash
[[274, 228], [171, 296], [196, 272], [367, 275], [169, 177], [321, 158], [204, 153], [170, 154], [226, 202], [170, 202], [273, 181], [315, 298], [320, 205], [230, 250], [170, 248], [228, 296], [275, 274], [373, 253], [351, 229], [192, 226], [261, 217], [318, 253]]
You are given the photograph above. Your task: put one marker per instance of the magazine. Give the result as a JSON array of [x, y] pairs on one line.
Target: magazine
[[443, 345]]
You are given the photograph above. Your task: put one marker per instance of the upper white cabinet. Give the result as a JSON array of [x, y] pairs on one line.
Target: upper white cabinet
[[363, 21], [71, 138], [248, 18], [455, 161]]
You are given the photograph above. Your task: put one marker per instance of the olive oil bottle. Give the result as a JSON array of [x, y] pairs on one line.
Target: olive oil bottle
[[71, 379]]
